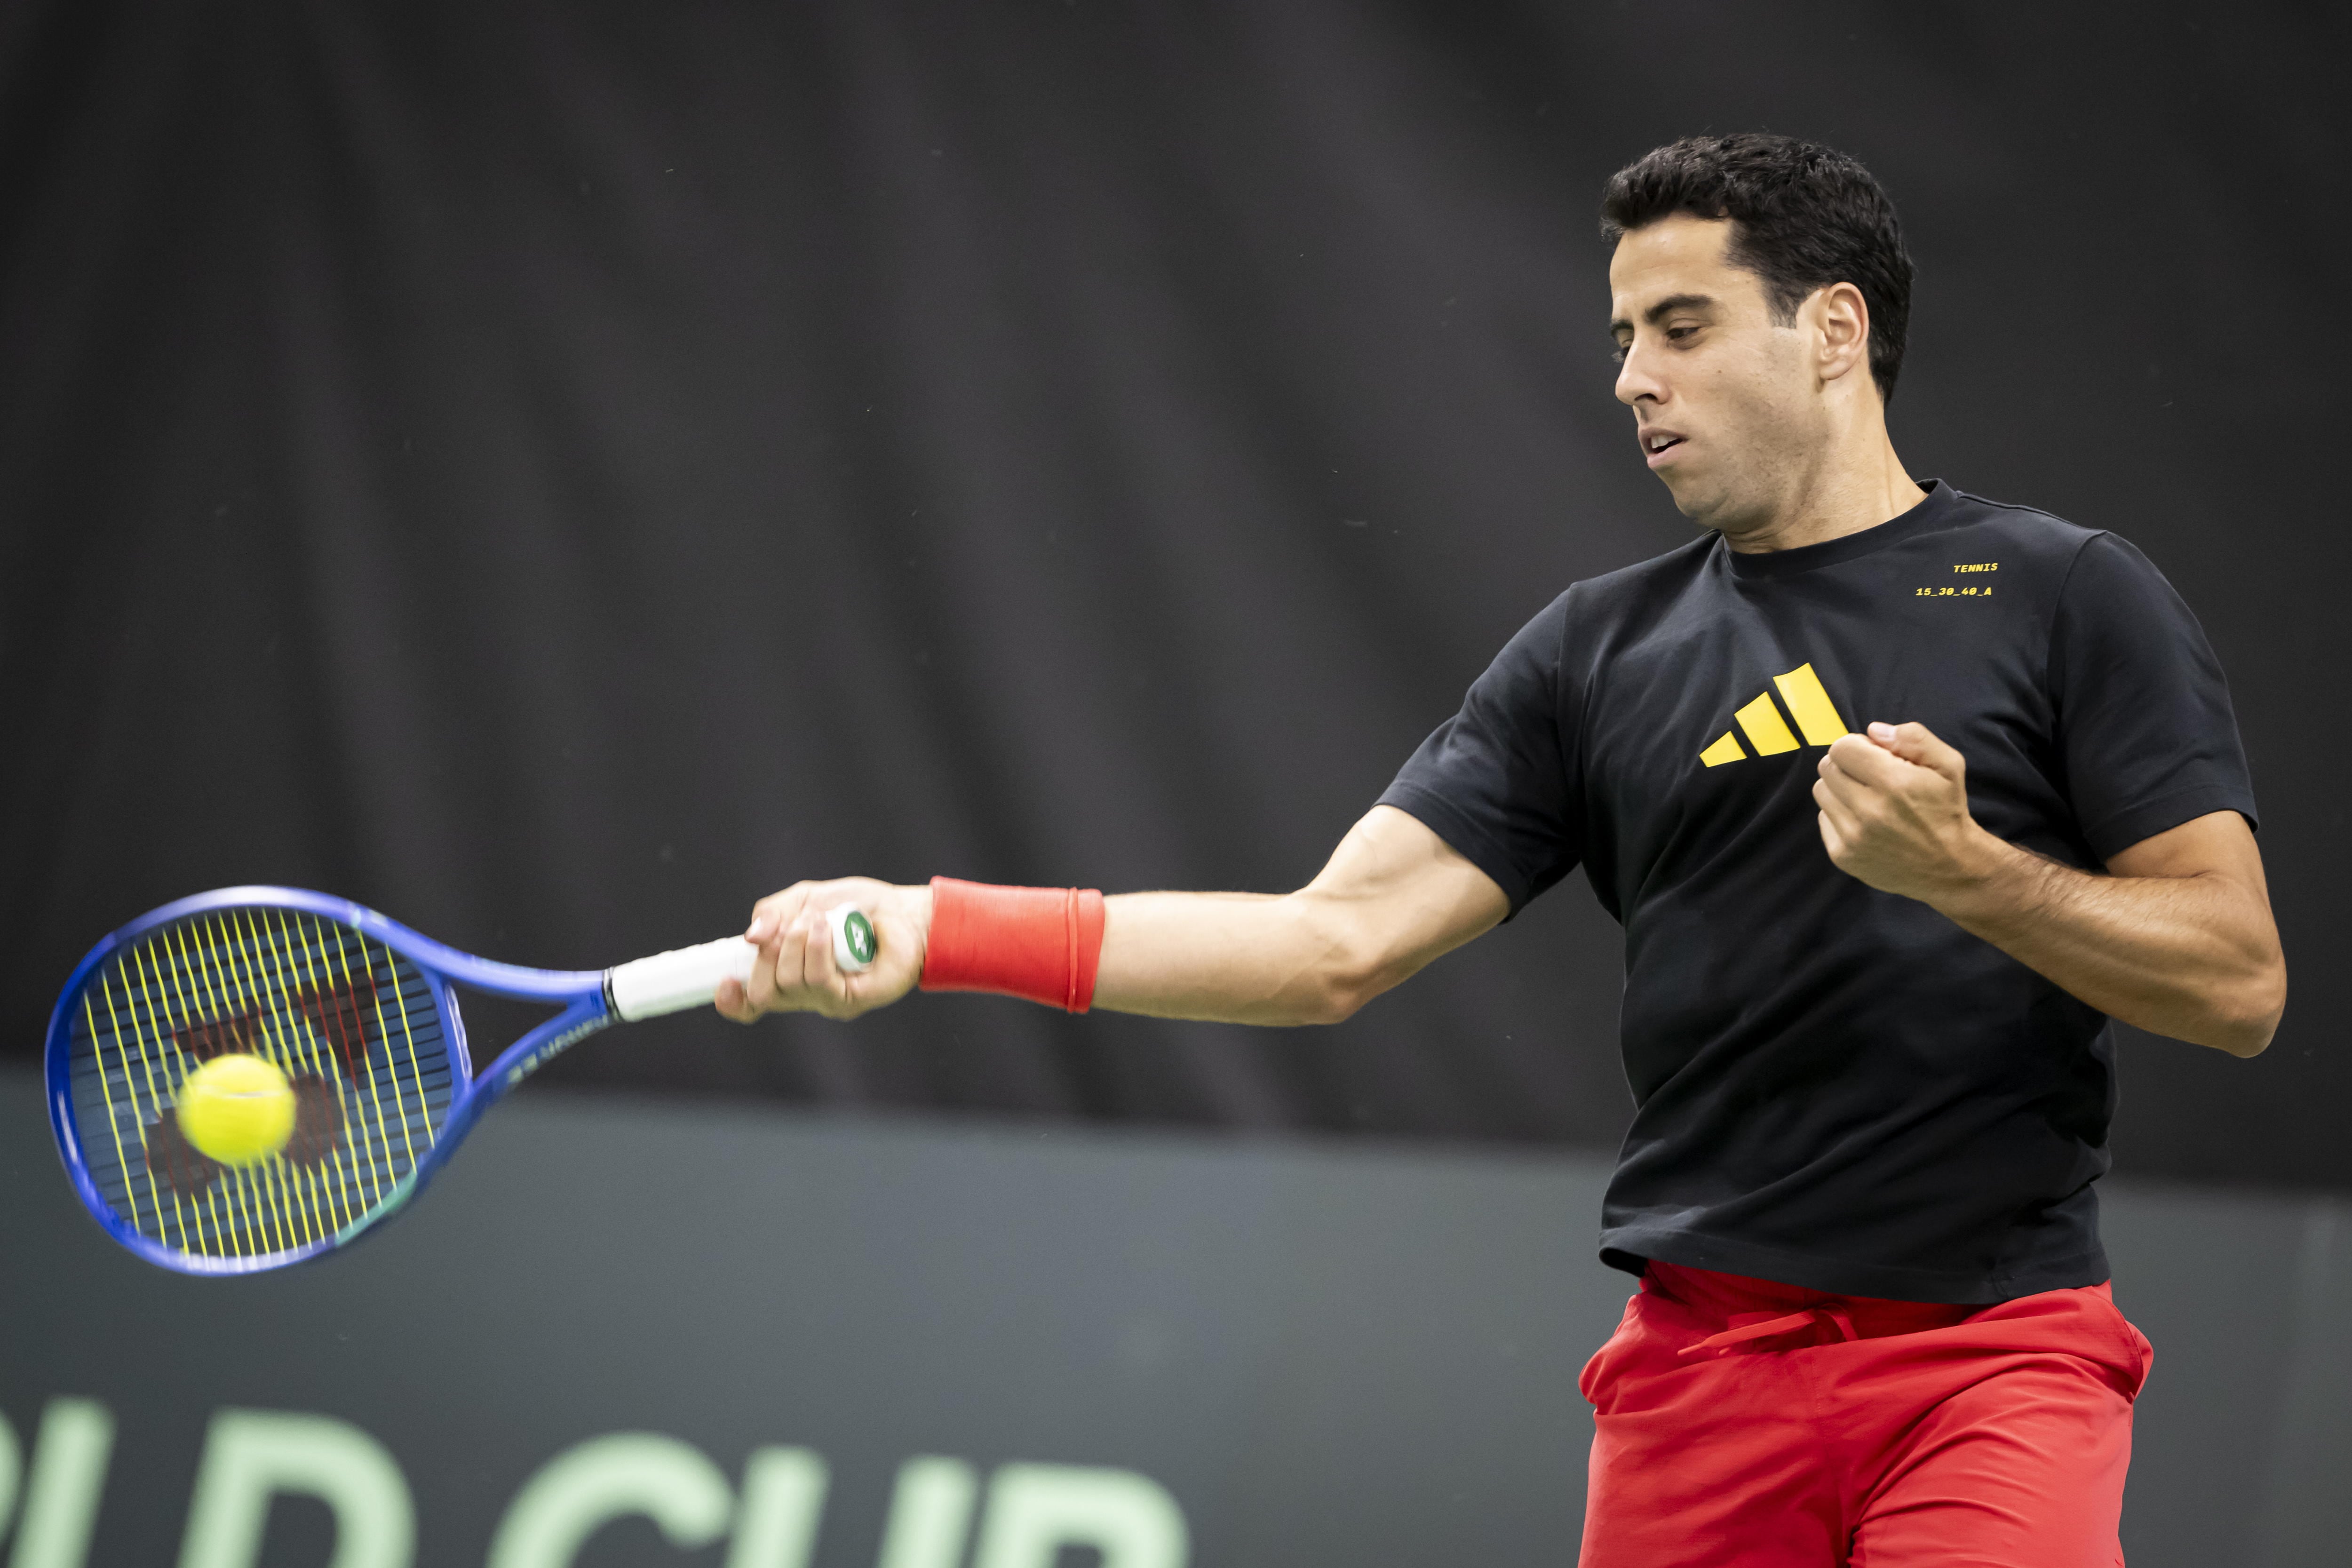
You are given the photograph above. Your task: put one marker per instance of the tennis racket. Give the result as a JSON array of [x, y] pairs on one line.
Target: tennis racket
[[358, 1015]]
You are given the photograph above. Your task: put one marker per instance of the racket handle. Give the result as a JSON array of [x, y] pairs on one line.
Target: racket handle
[[689, 976], [674, 981]]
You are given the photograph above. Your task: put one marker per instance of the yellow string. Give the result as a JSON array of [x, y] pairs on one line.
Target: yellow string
[[271, 976], [366, 1187], [271, 1194], [113, 1123], [256, 1216], [343, 1191], [313, 956], [263, 1218], [136, 960], [170, 969], [376, 999], [416, 1073], [269, 1000], [167, 1047], [106, 980], [147, 993]]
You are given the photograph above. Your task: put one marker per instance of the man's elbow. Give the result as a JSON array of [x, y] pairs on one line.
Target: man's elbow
[[1339, 993], [2247, 1019], [1344, 982]]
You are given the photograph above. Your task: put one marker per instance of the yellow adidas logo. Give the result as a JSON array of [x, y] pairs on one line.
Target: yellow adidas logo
[[1760, 721]]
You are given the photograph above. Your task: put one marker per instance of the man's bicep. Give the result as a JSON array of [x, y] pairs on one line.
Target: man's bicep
[[1410, 895], [2218, 843]]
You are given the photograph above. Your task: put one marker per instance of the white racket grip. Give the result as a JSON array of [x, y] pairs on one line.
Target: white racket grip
[[674, 981], [688, 976]]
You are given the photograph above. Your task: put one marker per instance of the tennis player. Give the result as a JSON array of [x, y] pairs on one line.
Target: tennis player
[[1901, 795]]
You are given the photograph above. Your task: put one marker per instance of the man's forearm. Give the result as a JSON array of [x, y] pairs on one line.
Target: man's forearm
[[2194, 957], [1393, 898], [1234, 958]]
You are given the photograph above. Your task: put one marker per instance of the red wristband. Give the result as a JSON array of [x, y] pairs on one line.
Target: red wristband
[[1043, 943]]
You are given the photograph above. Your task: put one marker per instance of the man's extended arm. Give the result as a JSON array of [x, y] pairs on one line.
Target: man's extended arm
[[2178, 940], [1393, 897]]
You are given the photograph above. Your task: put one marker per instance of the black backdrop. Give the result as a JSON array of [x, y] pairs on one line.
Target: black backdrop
[[556, 471]]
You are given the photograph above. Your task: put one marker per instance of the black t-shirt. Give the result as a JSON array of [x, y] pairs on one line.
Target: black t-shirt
[[1838, 1088]]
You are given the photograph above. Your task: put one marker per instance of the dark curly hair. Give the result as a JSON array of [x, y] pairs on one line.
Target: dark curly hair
[[1803, 215]]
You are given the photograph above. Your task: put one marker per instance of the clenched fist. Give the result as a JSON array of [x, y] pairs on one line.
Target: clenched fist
[[1895, 813], [795, 972]]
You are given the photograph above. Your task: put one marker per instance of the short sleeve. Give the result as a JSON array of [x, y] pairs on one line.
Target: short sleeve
[[2144, 727], [1496, 780]]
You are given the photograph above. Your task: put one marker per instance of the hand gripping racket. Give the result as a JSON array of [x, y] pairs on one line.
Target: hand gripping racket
[[357, 1016]]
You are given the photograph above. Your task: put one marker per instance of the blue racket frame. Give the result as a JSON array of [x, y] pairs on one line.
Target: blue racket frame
[[579, 994]]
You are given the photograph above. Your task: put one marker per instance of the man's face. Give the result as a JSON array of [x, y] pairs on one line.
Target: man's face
[[1727, 403]]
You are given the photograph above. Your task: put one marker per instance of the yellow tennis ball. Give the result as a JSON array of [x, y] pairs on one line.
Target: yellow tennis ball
[[238, 1109]]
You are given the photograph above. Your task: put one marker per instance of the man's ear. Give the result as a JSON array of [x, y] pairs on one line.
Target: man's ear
[[1843, 324]]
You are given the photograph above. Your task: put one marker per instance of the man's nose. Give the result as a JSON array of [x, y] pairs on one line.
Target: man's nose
[[1634, 382]]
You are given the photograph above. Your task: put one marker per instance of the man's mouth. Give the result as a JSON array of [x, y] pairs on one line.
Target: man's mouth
[[1656, 444]]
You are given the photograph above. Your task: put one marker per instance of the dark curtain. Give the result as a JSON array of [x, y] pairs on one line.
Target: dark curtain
[[557, 471]]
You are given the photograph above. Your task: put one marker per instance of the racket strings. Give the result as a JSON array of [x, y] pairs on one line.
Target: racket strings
[[351, 1025]]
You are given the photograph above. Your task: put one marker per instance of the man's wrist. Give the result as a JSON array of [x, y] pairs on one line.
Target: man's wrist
[[1992, 888], [1043, 943]]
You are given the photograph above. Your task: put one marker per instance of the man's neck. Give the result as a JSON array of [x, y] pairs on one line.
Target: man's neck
[[1834, 499]]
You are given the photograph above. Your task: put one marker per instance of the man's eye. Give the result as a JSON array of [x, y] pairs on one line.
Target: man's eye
[[1676, 334]]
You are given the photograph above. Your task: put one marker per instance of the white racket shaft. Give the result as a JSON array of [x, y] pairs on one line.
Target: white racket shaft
[[689, 976]]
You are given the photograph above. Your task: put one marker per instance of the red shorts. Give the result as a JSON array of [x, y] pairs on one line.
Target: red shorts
[[1741, 1422]]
